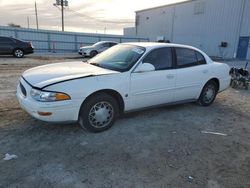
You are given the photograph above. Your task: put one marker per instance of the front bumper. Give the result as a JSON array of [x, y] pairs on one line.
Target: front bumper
[[84, 53], [61, 111]]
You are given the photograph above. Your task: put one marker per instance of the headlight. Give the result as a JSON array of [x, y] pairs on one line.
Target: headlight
[[47, 96], [87, 51]]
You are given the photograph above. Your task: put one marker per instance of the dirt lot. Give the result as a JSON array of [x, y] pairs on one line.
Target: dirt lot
[[154, 148]]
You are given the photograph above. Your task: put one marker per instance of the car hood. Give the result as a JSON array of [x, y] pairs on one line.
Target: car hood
[[43, 76], [87, 48]]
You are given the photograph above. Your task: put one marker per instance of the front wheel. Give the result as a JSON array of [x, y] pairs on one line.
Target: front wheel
[[98, 113], [18, 53], [208, 93], [93, 53]]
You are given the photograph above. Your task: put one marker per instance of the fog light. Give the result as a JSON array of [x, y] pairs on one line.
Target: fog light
[[44, 113]]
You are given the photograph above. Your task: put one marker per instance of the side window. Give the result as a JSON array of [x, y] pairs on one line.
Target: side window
[[104, 45], [200, 59], [161, 58], [188, 57], [112, 44], [185, 57]]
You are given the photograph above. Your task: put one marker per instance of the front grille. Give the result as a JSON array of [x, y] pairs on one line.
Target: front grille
[[23, 90]]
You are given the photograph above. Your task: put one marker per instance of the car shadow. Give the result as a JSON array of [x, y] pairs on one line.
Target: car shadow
[[190, 112], [10, 57]]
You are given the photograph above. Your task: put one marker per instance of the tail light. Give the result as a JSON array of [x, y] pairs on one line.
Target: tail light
[[30, 44]]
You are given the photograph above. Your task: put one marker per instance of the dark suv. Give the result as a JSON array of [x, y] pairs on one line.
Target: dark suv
[[15, 47]]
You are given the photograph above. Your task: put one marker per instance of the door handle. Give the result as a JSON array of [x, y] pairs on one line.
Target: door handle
[[170, 76], [205, 71]]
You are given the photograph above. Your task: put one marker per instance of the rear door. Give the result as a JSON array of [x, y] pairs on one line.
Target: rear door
[[191, 74], [6, 45], [155, 87]]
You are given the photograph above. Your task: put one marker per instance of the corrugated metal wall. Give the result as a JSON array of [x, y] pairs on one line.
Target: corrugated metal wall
[[245, 25], [129, 31], [201, 23], [153, 23], [218, 23], [56, 41]]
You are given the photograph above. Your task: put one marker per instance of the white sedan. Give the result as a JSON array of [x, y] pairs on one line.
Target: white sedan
[[126, 77], [99, 47]]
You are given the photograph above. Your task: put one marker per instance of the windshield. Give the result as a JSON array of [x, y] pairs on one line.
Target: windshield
[[98, 43], [119, 58]]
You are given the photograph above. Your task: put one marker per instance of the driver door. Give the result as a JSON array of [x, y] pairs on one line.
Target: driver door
[[154, 87]]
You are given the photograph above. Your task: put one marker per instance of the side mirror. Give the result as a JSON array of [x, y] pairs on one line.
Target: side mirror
[[145, 67]]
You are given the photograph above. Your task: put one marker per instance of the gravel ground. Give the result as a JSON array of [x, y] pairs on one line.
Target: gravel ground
[[163, 147]]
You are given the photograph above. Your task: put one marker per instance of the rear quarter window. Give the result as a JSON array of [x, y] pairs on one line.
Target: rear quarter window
[[187, 57], [200, 58]]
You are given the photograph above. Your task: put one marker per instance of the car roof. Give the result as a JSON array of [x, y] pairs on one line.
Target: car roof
[[150, 45], [153, 45], [100, 42]]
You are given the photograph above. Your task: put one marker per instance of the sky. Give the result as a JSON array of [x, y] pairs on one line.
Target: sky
[[91, 16]]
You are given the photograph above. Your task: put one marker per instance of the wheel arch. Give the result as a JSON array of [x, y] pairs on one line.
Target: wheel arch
[[94, 50], [117, 96], [13, 51], [216, 80]]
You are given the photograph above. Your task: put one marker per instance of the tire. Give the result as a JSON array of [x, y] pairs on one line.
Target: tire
[[18, 53], [93, 53], [247, 86], [98, 113], [208, 93]]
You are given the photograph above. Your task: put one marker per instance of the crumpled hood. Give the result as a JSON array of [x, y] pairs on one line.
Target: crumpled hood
[[45, 75]]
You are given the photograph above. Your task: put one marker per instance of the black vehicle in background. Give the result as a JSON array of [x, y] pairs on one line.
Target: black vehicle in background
[[15, 47]]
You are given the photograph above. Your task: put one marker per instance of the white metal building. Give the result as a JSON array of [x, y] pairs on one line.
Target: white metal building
[[219, 27]]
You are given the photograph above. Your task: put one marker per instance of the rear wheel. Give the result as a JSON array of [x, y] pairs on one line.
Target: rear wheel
[[98, 113], [208, 93], [18, 53]]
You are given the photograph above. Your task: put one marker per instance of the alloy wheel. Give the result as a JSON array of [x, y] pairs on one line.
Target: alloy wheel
[[209, 93], [19, 53], [101, 114]]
